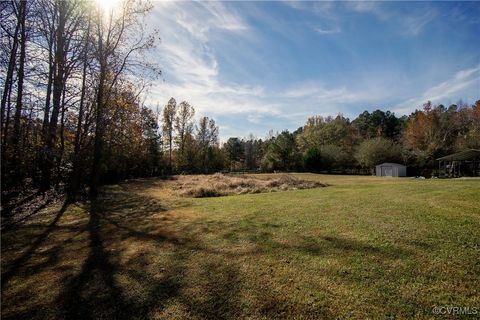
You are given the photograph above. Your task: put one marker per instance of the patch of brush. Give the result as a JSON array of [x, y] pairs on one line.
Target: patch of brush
[[217, 185]]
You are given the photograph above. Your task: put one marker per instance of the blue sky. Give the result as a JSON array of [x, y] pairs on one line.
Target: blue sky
[[256, 66]]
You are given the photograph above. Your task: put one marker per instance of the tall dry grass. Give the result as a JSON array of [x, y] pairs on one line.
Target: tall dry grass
[[216, 185]]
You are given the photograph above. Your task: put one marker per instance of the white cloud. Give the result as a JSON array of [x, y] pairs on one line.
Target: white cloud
[[318, 93], [449, 89], [324, 9], [192, 71], [370, 7], [255, 118], [223, 18], [299, 5], [190, 66], [414, 24], [411, 23], [198, 18], [363, 6], [327, 31]]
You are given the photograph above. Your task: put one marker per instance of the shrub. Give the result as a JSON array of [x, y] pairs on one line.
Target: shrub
[[312, 160]]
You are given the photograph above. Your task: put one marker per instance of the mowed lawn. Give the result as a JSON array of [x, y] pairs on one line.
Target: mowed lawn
[[361, 248]]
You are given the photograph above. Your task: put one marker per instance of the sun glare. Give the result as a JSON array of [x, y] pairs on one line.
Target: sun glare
[[107, 5]]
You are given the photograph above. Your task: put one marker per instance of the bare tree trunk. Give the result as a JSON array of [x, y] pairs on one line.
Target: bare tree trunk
[[9, 76], [58, 86], [75, 180], [21, 76], [28, 126], [62, 140], [99, 128], [51, 72], [99, 123], [4, 158], [170, 137], [7, 118]]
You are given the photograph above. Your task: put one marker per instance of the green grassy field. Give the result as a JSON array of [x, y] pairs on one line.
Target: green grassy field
[[364, 247]]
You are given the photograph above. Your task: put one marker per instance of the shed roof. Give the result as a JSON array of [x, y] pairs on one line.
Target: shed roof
[[390, 164], [469, 154]]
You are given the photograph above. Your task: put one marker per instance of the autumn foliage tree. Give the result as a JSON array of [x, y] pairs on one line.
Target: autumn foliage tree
[[437, 130], [68, 66]]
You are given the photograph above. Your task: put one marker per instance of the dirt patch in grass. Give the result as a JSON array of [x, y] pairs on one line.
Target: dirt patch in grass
[[217, 185]]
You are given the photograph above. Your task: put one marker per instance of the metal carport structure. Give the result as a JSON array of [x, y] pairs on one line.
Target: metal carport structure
[[464, 163]]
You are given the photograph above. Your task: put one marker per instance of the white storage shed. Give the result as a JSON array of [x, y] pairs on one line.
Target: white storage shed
[[390, 170]]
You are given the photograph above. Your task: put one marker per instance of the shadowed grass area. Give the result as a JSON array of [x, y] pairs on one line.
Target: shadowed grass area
[[364, 247]]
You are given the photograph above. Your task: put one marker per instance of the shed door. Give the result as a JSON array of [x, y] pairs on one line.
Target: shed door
[[387, 171]]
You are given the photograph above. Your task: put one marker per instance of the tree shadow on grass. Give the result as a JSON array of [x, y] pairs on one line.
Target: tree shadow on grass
[[342, 245], [6, 211], [140, 263], [112, 287], [17, 264], [105, 297], [267, 237], [95, 292]]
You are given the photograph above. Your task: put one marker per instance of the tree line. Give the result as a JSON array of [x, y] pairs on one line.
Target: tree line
[[73, 114], [337, 144], [323, 144]]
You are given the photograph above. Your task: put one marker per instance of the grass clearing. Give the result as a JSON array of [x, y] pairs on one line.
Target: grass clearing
[[364, 247]]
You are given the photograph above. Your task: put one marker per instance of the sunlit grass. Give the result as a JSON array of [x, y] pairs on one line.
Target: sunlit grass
[[363, 247]]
